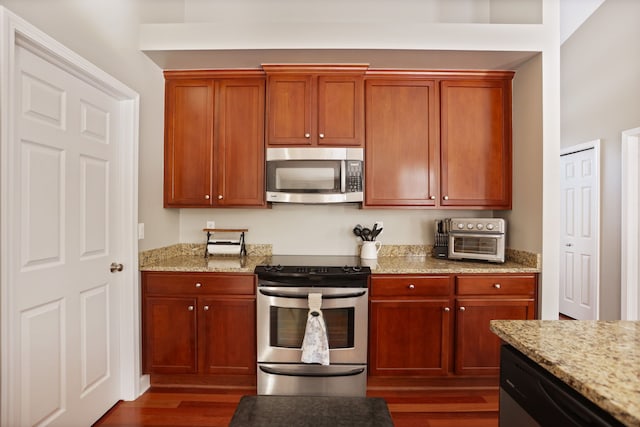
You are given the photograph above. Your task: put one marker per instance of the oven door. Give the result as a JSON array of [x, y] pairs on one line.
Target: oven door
[[282, 317], [480, 246]]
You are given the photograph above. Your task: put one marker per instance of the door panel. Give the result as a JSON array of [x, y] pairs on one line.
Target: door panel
[[65, 202], [578, 242]]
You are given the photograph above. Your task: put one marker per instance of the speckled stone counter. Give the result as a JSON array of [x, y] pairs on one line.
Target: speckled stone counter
[[190, 258], [599, 359]]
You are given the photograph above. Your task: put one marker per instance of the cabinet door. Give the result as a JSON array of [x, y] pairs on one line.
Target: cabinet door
[[188, 159], [477, 349], [409, 337], [169, 335], [289, 110], [239, 146], [401, 148], [475, 146], [340, 111], [228, 337]]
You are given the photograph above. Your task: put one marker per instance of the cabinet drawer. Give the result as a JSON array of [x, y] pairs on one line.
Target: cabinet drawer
[[198, 283], [496, 285], [409, 286]]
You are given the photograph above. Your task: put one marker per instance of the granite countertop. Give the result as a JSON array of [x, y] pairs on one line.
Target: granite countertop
[[394, 260], [383, 265], [599, 359]]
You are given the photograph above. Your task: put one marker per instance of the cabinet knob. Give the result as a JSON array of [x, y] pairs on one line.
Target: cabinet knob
[[190, 308], [411, 286], [321, 135], [462, 309], [307, 135], [445, 198], [497, 285], [447, 309], [198, 285], [219, 196], [207, 197], [206, 308], [432, 198]]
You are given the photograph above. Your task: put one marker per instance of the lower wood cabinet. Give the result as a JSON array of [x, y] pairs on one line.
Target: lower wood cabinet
[[480, 299], [409, 325], [198, 323], [438, 325]]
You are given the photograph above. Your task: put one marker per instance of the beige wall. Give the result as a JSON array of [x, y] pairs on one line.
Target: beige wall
[[600, 74], [525, 219], [106, 33]]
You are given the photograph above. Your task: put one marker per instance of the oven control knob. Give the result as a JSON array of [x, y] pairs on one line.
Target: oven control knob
[[490, 226], [470, 226], [479, 226]]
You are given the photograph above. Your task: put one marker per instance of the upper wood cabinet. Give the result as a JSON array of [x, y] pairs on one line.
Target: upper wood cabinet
[[214, 139], [438, 139], [475, 142], [402, 148], [311, 105]]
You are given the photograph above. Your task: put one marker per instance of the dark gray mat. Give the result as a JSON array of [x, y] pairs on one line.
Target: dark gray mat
[[308, 411]]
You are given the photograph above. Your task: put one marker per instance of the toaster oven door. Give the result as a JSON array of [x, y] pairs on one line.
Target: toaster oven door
[[477, 246]]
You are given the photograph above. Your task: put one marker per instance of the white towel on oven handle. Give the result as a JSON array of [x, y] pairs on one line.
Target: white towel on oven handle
[[315, 344]]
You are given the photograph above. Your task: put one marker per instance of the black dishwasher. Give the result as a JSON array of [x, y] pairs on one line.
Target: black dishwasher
[[531, 396]]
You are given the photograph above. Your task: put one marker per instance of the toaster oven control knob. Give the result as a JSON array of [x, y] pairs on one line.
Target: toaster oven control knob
[[490, 226], [470, 226], [479, 226], [460, 226]]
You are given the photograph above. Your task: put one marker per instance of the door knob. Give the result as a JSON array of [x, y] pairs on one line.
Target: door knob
[[114, 267]]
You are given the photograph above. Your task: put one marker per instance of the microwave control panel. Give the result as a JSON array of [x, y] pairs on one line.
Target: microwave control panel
[[354, 176]]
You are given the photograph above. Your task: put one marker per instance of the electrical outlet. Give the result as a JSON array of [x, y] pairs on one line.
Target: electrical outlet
[[141, 231], [211, 224]]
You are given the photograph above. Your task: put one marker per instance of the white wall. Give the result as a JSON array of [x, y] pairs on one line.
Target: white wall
[[600, 74], [106, 33]]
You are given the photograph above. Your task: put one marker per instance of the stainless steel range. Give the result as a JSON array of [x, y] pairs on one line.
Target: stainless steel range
[[283, 313]]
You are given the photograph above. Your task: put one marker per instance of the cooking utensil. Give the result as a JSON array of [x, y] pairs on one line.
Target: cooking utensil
[[366, 234], [375, 233], [357, 230]]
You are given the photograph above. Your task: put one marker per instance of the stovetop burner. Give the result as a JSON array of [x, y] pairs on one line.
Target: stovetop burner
[[302, 270]]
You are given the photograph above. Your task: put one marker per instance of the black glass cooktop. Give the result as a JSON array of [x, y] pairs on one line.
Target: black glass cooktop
[[302, 265]]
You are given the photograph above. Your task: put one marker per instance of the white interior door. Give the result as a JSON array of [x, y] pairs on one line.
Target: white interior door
[[579, 225], [630, 226], [66, 206]]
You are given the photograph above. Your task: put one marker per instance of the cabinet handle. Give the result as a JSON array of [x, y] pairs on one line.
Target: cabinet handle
[[445, 198], [307, 135], [447, 309], [198, 285], [321, 135], [462, 309], [497, 285], [219, 196], [207, 197], [411, 286], [190, 308], [206, 308]]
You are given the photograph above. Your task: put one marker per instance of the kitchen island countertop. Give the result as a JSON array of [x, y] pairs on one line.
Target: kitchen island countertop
[[599, 359]]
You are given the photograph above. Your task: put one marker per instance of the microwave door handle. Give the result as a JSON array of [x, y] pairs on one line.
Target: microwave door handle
[[343, 176]]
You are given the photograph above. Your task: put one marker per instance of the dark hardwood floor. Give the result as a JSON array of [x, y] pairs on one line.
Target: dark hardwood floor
[[440, 404]]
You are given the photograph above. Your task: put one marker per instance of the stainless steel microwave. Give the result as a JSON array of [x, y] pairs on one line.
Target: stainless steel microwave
[[313, 175]]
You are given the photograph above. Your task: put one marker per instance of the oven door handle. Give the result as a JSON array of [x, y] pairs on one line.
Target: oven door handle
[[281, 294], [297, 373]]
